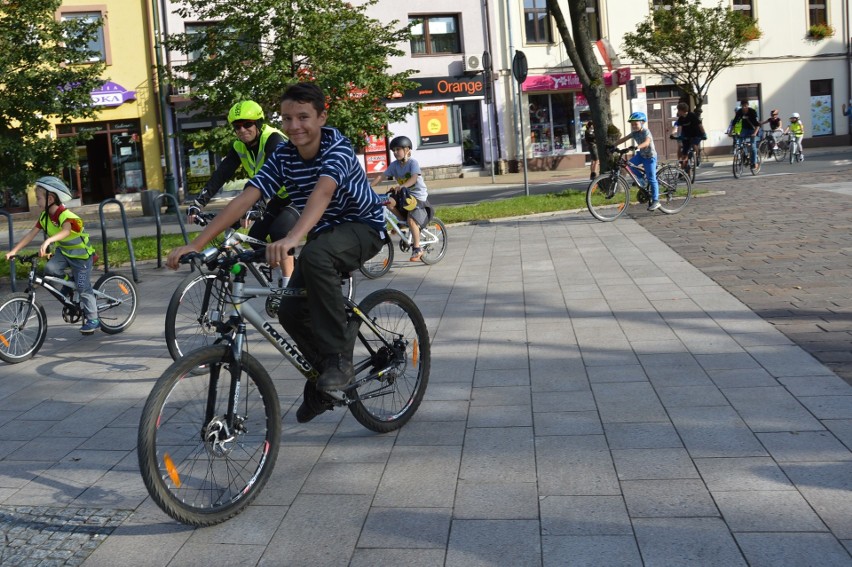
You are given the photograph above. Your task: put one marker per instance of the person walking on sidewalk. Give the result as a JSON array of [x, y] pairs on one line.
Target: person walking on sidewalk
[[589, 138], [255, 141], [343, 220], [408, 200], [65, 229]]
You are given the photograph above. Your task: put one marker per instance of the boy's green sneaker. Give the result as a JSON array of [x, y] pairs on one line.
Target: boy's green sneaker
[[90, 326]]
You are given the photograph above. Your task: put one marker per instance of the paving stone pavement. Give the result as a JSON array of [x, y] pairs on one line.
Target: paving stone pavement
[[783, 246], [595, 399]]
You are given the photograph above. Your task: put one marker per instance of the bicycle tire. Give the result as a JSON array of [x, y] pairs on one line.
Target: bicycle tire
[[380, 264], [193, 476], [691, 167], [118, 309], [781, 150], [605, 201], [434, 252], [738, 163], [17, 344], [675, 189], [187, 328], [387, 401]]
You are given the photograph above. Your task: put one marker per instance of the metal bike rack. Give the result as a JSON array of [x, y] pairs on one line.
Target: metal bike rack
[[126, 236], [11, 245], [157, 204]]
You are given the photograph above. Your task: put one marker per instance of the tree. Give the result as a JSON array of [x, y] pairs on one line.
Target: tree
[[691, 44], [585, 63], [45, 74], [256, 50]]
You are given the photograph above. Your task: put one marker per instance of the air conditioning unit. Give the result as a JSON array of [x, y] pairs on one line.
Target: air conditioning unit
[[472, 63]]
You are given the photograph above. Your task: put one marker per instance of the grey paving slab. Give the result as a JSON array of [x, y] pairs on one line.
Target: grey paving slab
[[687, 541], [792, 549], [494, 542], [579, 551]]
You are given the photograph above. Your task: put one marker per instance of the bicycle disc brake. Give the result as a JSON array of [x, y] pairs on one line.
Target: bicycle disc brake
[[218, 440]]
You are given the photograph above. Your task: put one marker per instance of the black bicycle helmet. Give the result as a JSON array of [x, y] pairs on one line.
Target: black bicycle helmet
[[401, 142]]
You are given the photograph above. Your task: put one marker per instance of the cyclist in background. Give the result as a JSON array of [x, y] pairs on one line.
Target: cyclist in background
[[797, 130], [749, 127], [408, 200], [689, 128], [775, 129], [255, 141], [65, 229]]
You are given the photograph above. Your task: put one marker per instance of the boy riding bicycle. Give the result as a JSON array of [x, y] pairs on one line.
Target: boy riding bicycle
[[749, 125], [408, 200], [343, 220], [65, 229], [646, 154]]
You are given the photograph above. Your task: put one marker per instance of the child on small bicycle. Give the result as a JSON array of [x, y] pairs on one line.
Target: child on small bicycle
[[408, 200], [775, 129], [646, 154], [689, 129], [65, 229], [797, 130]]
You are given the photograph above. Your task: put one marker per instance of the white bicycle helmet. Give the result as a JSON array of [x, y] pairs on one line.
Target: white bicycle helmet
[[795, 115], [56, 186]]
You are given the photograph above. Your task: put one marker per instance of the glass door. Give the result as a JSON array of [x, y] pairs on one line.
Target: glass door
[[471, 133]]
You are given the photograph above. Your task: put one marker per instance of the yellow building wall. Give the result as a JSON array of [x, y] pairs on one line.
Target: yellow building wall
[[132, 67]]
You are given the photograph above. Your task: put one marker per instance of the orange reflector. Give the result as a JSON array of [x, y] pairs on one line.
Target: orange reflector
[[4, 340], [172, 470], [123, 288], [415, 352]]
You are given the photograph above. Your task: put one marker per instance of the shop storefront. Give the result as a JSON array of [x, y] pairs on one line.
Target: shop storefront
[[557, 112], [447, 128], [111, 162], [198, 164]]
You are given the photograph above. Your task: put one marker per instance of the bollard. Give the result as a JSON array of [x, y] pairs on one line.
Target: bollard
[[12, 275]]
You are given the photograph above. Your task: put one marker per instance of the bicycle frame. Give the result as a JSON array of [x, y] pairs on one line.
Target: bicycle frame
[[233, 330], [392, 226]]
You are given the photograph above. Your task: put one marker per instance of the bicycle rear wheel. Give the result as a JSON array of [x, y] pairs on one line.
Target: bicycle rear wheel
[[675, 189], [23, 328], [394, 355], [433, 239], [199, 467], [117, 302], [781, 150], [380, 264], [189, 322], [607, 197]]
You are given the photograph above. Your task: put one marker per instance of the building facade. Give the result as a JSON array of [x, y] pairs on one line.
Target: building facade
[[123, 156]]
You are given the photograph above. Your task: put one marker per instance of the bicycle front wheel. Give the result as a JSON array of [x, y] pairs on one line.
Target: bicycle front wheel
[[675, 189], [781, 150], [23, 328], [433, 239], [392, 356], [607, 197], [199, 465], [738, 163], [191, 314], [117, 302], [380, 264]]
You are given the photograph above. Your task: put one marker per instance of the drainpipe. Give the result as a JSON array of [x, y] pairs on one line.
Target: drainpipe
[[169, 178]]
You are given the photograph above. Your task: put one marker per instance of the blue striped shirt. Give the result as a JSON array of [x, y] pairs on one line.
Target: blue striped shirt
[[354, 199]]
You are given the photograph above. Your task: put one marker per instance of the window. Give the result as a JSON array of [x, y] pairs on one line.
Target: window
[[433, 35], [593, 13], [99, 44], [537, 21], [817, 13], [552, 124], [662, 4], [751, 93], [744, 7], [821, 116]]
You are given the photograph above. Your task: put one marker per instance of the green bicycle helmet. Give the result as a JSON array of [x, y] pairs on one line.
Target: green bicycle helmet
[[245, 110], [56, 186]]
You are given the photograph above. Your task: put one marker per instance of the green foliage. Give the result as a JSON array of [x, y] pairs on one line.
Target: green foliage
[[45, 75], [820, 31], [691, 44], [254, 50]]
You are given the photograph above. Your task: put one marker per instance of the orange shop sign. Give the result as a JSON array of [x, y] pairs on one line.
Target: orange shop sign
[[434, 124]]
